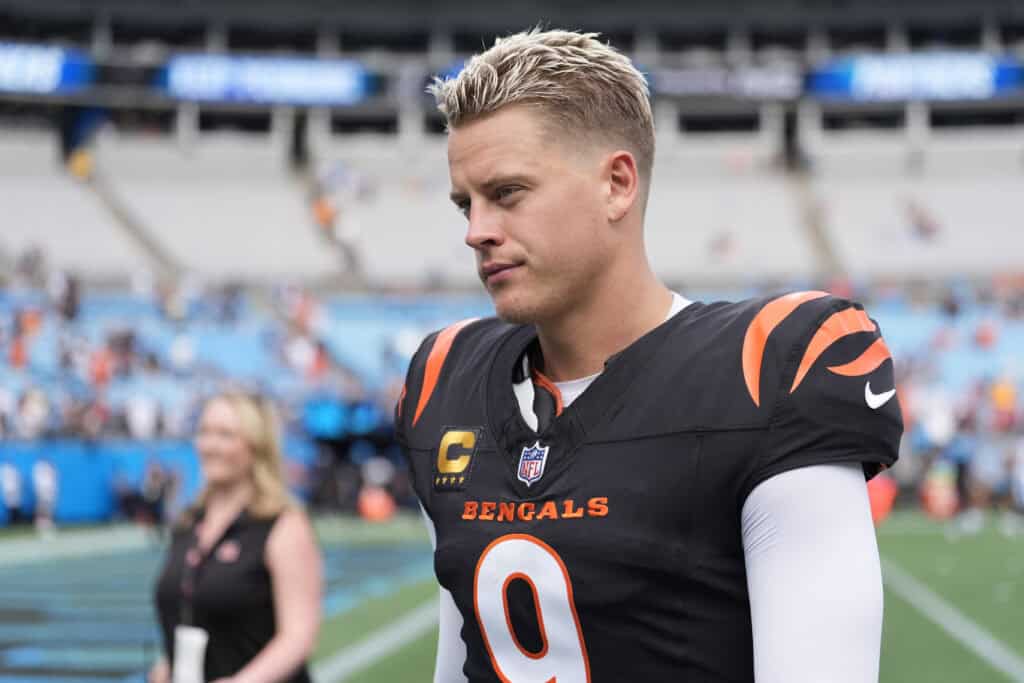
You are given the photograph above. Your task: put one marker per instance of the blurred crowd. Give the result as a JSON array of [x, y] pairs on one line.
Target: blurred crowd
[[131, 365], [98, 367], [136, 365], [960, 376]]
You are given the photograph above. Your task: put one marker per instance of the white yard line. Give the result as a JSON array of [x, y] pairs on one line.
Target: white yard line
[[954, 622], [378, 644]]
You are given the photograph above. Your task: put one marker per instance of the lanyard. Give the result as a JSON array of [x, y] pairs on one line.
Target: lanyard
[[195, 561]]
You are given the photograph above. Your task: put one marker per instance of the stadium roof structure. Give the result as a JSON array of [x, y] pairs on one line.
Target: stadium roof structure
[[411, 14]]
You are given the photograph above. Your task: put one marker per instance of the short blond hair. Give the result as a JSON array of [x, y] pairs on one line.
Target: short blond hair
[[587, 86]]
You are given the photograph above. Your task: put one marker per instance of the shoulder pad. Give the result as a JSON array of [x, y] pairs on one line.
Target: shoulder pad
[[834, 369], [465, 344]]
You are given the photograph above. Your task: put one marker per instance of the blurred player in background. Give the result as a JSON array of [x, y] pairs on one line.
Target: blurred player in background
[[10, 490], [241, 586], [45, 485], [622, 484]]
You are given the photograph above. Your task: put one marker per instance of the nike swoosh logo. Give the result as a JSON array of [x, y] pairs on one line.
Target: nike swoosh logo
[[876, 401]]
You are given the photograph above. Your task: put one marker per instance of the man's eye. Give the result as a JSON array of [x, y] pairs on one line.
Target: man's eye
[[506, 192], [463, 208]]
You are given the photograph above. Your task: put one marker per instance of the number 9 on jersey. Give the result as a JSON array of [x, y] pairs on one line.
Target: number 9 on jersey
[[563, 654]]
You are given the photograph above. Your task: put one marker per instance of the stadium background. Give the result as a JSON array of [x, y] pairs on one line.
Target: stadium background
[[202, 194]]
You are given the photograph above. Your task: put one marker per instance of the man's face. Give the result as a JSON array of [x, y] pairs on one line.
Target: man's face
[[536, 212]]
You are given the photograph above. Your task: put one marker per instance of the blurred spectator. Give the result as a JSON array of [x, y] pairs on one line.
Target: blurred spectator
[[722, 247], [101, 367], [324, 214], [174, 299], [32, 416], [950, 305], [230, 303], [182, 353], [95, 418], [121, 343], [18, 356], [142, 416], [31, 267], [65, 293], [321, 363], [986, 335], [1004, 404], [156, 485], [30, 320], [11, 490], [45, 484], [8, 408], [923, 223], [300, 353]]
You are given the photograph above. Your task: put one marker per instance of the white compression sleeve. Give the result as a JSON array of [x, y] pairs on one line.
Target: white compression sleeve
[[814, 577], [451, 651]]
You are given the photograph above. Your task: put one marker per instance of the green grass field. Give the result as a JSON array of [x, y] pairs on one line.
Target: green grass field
[[80, 603], [981, 577]]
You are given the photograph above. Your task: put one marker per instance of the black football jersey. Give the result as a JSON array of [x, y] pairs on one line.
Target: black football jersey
[[607, 547]]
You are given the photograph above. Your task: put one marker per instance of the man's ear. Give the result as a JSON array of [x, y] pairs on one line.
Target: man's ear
[[623, 184]]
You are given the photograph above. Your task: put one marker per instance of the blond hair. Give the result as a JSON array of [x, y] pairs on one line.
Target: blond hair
[[588, 87], [259, 426]]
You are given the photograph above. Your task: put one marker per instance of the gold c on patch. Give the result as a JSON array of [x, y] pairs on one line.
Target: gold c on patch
[[454, 462]]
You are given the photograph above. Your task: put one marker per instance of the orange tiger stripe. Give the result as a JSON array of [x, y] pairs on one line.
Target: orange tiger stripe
[[435, 361], [401, 398], [756, 338], [873, 356], [838, 325]]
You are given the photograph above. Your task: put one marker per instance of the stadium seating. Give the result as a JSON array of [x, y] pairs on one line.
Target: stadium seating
[[715, 215], [44, 206], [225, 208], [932, 209], [228, 207], [716, 227], [407, 232], [934, 225]]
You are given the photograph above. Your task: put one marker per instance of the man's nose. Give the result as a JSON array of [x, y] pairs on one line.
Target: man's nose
[[484, 229]]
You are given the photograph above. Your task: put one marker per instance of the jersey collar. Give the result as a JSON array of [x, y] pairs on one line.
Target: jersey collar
[[604, 398]]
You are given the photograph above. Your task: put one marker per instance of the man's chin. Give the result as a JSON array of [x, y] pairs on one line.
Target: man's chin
[[514, 316], [512, 309]]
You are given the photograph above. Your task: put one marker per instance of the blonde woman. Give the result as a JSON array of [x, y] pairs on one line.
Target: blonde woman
[[240, 592]]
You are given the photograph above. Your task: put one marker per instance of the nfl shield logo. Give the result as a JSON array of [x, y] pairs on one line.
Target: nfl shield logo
[[531, 463]]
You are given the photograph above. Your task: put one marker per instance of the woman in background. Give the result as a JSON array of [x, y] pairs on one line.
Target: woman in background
[[239, 596]]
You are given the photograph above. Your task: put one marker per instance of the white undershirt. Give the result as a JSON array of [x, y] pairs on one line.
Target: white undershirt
[[572, 388], [813, 571]]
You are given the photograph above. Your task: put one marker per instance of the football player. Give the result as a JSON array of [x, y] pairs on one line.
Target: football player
[[621, 484]]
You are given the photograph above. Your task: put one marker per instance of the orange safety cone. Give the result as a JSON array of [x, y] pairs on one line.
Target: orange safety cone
[[375, 504], [882, 490]]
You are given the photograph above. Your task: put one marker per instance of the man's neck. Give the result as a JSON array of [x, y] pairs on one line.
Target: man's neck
[[578, 344]]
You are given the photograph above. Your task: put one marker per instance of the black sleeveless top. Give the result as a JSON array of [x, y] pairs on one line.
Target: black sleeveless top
[[232, 599]]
